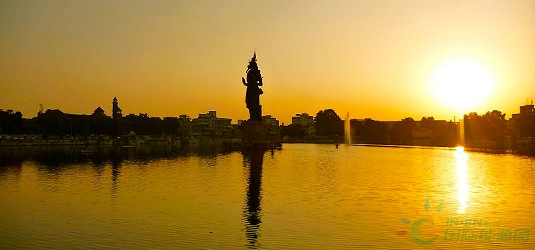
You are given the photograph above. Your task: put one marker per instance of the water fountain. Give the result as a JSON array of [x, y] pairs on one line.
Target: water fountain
[[347, 130], [461, 131]]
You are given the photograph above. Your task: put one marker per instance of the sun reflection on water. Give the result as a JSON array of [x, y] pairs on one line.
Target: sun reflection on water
[[462, 179]]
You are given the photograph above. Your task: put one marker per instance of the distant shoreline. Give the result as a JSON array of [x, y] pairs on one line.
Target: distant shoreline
[[524, 148]]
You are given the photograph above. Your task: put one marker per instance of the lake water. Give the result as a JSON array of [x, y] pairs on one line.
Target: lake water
[[304, 197]]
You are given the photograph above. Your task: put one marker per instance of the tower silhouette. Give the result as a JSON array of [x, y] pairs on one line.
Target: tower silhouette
[[116, 111]]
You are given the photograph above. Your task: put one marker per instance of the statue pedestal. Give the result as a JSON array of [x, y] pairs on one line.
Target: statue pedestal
[[252, 134]]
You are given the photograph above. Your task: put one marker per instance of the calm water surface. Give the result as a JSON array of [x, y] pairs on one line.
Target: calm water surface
[[304, 196]]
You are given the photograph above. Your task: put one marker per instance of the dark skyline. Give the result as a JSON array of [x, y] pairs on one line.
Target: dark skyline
[[372, 59]]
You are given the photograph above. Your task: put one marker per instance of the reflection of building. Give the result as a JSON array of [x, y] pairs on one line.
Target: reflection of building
[[209, 125], [116, 111], [306, 121]]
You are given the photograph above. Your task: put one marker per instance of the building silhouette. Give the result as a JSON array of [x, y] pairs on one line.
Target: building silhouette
[[527, 109], [523, 123], [271, 128], [116, 111], [306, 121], [209, 125], [98, 111]]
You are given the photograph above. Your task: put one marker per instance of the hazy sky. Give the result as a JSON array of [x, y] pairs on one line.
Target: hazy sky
[[165, 58]]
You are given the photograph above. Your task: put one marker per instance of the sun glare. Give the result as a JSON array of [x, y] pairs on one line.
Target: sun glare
[[462, 83]]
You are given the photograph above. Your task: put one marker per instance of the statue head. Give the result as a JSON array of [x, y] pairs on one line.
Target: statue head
[[253, 73]]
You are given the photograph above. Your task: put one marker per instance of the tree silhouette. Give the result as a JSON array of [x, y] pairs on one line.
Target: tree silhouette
[[489, 127], [328, 123], [11, 123]]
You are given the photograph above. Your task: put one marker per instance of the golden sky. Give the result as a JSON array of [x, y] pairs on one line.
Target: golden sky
[[166, 58]]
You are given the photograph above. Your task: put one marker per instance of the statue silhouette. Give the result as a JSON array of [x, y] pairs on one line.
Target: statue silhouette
[[252, 96]]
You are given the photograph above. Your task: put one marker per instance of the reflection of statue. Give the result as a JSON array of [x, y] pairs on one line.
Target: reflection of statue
[[254, 160], [252, 97]]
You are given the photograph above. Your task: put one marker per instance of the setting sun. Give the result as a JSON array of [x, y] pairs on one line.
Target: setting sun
[[462, 83]]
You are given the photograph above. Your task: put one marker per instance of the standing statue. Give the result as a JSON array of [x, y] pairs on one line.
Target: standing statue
[[252, 96]]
